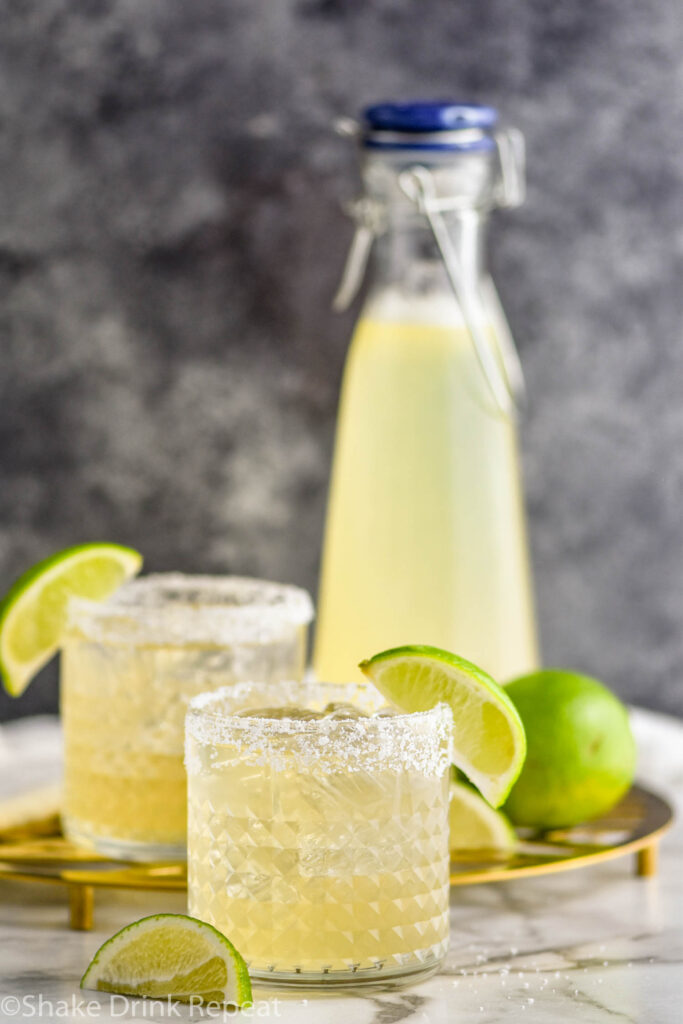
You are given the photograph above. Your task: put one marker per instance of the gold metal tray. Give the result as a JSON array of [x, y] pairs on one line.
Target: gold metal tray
[[37, 852]]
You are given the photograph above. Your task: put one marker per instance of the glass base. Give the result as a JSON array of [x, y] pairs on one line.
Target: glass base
[[367, 978], [124, 849]]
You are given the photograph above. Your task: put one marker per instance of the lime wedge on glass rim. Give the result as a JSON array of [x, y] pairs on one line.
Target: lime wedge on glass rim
[[170, 956], [33, 613], [476, 826], [489, 744]]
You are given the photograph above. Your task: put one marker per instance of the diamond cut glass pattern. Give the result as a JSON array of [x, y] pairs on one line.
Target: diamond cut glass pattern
[[130, 667], [320, 847]]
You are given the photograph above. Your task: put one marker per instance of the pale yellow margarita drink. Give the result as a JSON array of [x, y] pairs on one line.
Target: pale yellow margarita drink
[[425, 537], [318, 839], [129, 668]]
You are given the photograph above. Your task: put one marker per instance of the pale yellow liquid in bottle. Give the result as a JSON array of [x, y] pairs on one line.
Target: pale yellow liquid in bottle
[[425, 539]]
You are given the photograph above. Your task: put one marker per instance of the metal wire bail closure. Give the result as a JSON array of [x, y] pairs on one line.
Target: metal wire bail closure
[[496, 352], [369, 218], [502, 369]]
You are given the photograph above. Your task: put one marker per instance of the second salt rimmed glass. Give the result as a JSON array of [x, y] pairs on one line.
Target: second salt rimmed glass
[[129, 668], [320, 846]]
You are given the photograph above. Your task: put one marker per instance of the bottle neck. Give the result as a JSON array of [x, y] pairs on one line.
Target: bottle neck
[[405, 256], [427, 222]]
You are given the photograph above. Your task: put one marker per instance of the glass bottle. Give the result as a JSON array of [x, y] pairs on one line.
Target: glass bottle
[[425, 539]]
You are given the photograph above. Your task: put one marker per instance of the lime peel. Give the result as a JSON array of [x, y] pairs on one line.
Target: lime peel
[[171, 956], [581, 751], [489, 744]]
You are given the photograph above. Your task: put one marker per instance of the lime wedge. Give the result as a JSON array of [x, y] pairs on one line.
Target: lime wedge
[[475, 825], [488, 736], [170, 956], [33, 613]]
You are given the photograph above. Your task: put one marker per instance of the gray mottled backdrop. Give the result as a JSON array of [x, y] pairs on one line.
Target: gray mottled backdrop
[[170, 237]]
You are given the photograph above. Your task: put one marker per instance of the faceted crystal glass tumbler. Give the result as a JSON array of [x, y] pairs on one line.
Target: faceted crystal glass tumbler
[[129, 668], [320, 846]]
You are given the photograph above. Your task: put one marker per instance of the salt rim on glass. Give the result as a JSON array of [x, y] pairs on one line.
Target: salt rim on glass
[[178, 609]]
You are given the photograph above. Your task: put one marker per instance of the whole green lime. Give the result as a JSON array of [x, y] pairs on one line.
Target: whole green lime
[[580, 750]]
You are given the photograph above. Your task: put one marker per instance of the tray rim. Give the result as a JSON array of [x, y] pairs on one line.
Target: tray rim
[[578, 860], [171, 876]]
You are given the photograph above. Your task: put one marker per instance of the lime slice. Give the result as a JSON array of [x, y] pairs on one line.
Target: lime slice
[[170, 956], [488, 737], [475, 825], [33, 613]]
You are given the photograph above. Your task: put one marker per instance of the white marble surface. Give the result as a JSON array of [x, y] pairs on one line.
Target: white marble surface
[[591, 946]]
